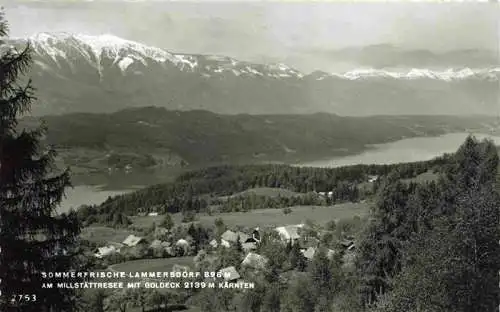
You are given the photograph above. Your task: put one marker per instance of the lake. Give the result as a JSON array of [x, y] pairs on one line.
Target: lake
[[406, 150], [87, 195]]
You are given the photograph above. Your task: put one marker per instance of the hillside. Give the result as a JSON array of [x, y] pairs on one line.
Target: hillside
[[79, 73], [158, 138], [266, 191], [202, 190]]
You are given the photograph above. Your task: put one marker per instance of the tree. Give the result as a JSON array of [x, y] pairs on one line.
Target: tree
[[220, 227], [272, 298], [251, 300], [188, 216], [96, 302], [331, 225], [34, 237], [299, 297], [119, 300], [140, 297], [379, 252], [167, 222], [157, 299], [322, 275], [229, 257], [217, 300], [296, 258], [453, 265], [238, 245]]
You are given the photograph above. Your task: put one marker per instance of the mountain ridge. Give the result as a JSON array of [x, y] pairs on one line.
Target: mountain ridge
[[115, 46], [81, 73], [388, 55]]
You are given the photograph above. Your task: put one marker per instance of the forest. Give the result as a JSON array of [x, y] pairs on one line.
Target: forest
[[429, 247], [196, 190]]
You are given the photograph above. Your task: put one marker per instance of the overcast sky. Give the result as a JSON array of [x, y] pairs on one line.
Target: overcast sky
[[266, 31]]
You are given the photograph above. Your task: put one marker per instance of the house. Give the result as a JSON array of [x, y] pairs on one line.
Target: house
[[182, 243], [289, 233], [309, 253], [170, 251], [153, 214], [347, 244], [118, 246], [330, 253], [254, 238], [325, 194], [230, 274], [106, 251], [244, 237], [161, 231], [132, 240], [306, 242], [256, 235], [166, 244], [249, 246], [229, 236], [180, 268], [156, 244], [213, 243], [254, 261], [348, 260], [372, 178]]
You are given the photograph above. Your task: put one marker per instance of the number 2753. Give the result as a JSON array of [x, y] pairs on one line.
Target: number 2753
[[23, 298]]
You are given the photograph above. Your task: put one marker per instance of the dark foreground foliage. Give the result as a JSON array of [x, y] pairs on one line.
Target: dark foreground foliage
[[33, 240]]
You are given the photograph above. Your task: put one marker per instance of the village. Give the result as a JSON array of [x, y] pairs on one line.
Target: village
[[166, 244]]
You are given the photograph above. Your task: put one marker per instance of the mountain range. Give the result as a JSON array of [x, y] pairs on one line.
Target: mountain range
[[387, 55], [102, 74], [154, 136]]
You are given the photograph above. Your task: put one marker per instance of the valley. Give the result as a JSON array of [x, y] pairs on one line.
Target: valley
[[151, 145]]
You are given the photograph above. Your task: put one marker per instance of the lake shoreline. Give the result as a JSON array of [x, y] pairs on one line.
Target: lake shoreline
[[400, 151]]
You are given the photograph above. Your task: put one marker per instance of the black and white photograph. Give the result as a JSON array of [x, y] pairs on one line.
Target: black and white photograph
[[249, 156]]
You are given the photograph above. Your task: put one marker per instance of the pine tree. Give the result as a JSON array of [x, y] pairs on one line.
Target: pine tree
[[453, 265], [34, 239], [167, 222], [379, 252], [239, 245], [96, 301], [296, 258]]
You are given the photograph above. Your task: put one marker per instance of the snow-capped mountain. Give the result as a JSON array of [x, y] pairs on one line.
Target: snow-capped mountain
[[124, 53], [105, 73], [129, 56]]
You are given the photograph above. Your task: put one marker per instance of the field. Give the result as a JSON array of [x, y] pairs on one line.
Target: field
[[299, 214], [271, 217], [152, 265], [266, 191], [104, 234], [424, 177]]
